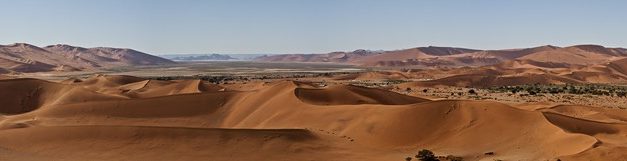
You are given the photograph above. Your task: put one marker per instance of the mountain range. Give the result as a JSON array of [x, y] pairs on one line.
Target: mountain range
[[198, 57], [442, 65], [211, 57], [22, 57], [433, 56], [447, 66]]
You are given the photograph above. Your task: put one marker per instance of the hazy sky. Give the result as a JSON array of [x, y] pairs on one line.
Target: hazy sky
[[311, 26]]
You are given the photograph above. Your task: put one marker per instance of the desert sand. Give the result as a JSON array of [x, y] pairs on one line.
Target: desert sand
[[113, 117]]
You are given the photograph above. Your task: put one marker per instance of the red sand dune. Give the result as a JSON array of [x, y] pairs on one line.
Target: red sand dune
[[128, 118]]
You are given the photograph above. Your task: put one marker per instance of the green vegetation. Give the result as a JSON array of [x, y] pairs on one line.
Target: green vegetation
[[427, 155], [593, 89], [454, 158], [472, 91], [224, 78]]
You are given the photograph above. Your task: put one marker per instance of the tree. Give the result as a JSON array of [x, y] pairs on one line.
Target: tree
[[426, 155], [408, 159], [472, 91]]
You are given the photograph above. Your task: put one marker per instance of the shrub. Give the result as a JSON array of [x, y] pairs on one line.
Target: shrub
[[532, 92], [426, 155], [621, 94], [454, 158]]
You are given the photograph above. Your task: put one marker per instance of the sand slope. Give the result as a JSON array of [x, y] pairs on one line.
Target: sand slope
[[352, 95], [25, 95], [519, 72], [129, 118]]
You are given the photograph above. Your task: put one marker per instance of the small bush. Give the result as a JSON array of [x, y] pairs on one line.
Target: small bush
[[454, 158], [426, 155], [472, 91]]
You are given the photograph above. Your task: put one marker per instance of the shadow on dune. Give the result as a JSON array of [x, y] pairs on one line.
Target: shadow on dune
[[353, 95]]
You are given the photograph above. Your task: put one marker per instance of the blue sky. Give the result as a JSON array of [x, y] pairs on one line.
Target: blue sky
[[311, 26]]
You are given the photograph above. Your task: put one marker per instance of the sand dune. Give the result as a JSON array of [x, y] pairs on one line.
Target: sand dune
[[154, 88], [619, 65], [611, 142], [163, 143], [130, 118], [478, 80], [25, 95], [581, 54], [134, 87], [590, 113], [520, 72], [379, 75], [352, 95]]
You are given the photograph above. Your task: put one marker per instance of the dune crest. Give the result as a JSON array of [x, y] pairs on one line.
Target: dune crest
[[352, 95]]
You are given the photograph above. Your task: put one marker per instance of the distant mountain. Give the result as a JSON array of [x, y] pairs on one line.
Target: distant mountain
[[211, 57], [579, 54], [206, 57], [22, 57], [421, 56], [444, 51], [432, 56], [541, 65], [247, 57], [337, 57]]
